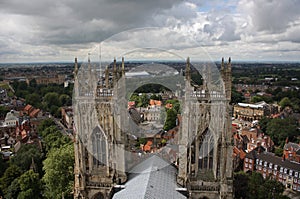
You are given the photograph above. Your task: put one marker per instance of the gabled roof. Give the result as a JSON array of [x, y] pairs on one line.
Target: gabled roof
[[291, 145], [255, 106], [12, 115], [239, 152], [28, 107], [34, 113], [152, 178], [271, 158], [255, 152]]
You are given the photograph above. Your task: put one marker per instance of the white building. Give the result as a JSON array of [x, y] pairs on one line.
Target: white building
[[11, 119]]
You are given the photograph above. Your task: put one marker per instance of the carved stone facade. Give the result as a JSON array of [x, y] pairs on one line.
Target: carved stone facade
[[205, 140], [205, 148], [99, 144]]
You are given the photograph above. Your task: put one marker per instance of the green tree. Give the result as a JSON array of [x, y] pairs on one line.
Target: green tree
[[278, 151], [45, 124], [280, 129], [135, 98], [144, 101], [175, 103], [236, 97], [3, 111], [59, 167], [285, 102], [33, 83], [177, 108], [263, 123], [65, 100], [154, 97], [14, 189], [55, 111], [271, 189], [254, 185], [257, 98], [240, 184], [33, 99], [3, 166], [141, 140], [11, 173], [53, 138], [25, 155], [51, 99], [30, 185], [171, 119], [296, 104]]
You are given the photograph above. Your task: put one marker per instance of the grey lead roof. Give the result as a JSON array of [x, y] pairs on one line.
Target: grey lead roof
[[154, 178], [271, 158]]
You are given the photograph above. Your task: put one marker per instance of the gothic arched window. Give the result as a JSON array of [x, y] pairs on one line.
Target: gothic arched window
[[99, 147], [206, 151]]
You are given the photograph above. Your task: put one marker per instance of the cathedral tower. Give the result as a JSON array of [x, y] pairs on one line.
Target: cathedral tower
[[204, 156], [99, 142], [205, 162]]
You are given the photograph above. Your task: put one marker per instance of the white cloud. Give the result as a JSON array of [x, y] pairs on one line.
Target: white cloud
[[61, 29]]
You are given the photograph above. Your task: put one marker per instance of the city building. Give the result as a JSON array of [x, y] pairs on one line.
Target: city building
[[255, 138], [47, 79], [67, 117], [103, 158], [252, 112], [11, 119], [291, 151], [280, 169]]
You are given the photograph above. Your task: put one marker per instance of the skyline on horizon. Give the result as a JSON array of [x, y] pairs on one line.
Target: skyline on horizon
[[58, 31]]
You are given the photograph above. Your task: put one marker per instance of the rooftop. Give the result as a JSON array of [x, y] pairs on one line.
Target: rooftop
[[270, 157], [152, 178]]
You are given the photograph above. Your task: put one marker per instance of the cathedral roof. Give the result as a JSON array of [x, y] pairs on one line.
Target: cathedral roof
[[152, 178]]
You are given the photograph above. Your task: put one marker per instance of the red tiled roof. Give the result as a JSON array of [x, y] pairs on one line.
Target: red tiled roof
[[34, 113], [131, 103], [28, 107], [23, 134], [155, 102], [169, 105], [148, 145], [239, 152]]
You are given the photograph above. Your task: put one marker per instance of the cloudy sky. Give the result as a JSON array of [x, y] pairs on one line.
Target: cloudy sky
[[59, 30]]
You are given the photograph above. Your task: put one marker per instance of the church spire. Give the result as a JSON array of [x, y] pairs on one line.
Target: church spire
[[188, 69], [123, 67], [76, 67], [229, 64], [106, 77], [89, 63], [115, 71], [222, 64]]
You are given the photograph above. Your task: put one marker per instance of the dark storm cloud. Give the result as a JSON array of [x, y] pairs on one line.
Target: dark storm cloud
[[63, 22], [63, 28]]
